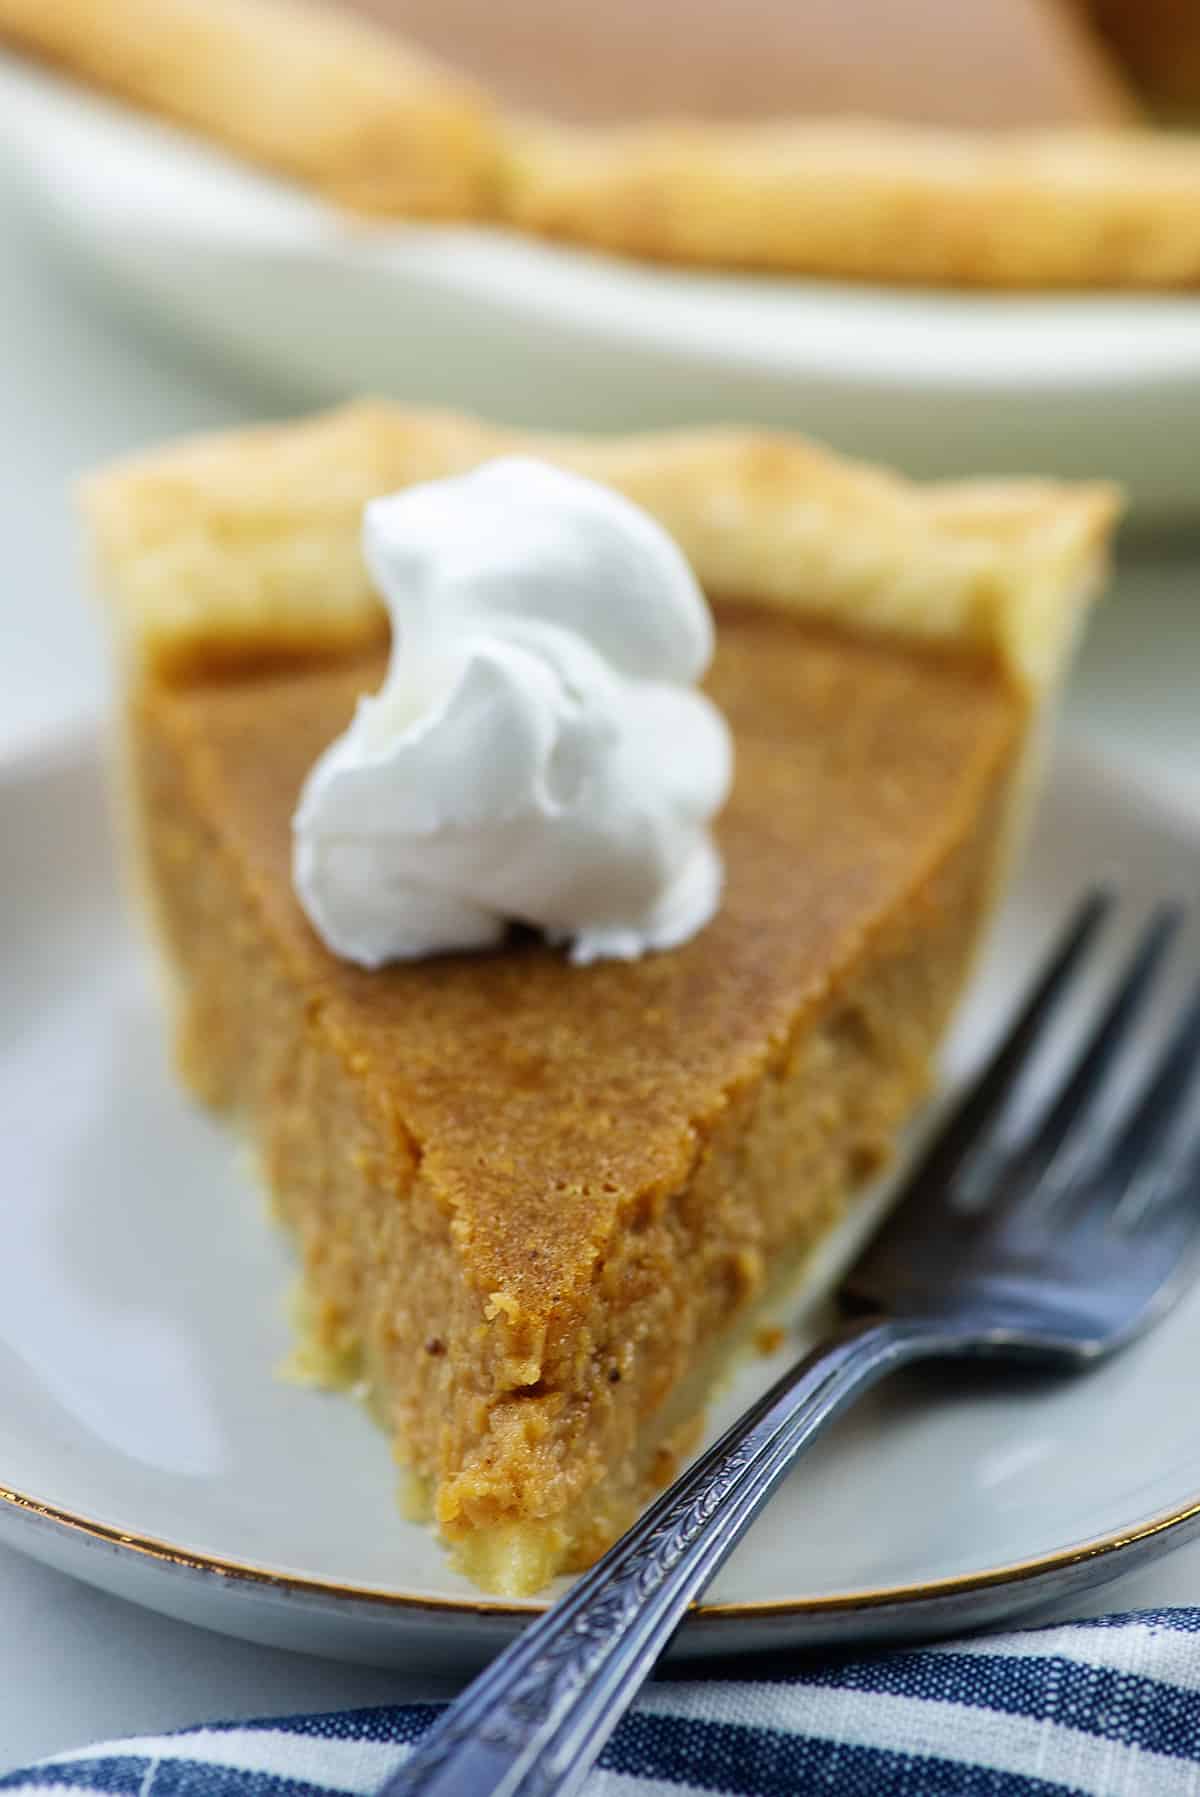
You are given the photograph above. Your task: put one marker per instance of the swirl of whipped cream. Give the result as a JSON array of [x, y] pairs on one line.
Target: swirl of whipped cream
[[537, 752]]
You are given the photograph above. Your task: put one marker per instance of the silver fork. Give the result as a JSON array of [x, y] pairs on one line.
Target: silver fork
[[1051, 1238]]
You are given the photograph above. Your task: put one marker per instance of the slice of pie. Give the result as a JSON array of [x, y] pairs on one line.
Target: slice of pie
[[990, 145], [538, 1204]]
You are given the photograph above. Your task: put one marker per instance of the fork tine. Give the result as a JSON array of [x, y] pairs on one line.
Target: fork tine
[[1160, 1200], [1162, 1103], [969, 1147], [1062, 1129]]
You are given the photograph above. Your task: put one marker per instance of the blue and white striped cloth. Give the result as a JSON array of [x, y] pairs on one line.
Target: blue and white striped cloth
[[1107, 1708]]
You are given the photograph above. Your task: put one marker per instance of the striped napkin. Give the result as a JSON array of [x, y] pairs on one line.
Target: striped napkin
[[1106, 1708]]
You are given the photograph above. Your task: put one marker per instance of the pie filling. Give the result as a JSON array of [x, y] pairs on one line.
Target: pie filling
[[536, 1204], [1013, 63]]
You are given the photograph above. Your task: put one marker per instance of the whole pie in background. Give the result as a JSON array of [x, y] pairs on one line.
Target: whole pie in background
[[1001, 143], [539, 1206]]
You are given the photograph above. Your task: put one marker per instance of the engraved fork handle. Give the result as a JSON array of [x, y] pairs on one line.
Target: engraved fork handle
[[534, 1722]]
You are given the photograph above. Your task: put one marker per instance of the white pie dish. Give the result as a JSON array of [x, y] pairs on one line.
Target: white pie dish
[[318, 305]]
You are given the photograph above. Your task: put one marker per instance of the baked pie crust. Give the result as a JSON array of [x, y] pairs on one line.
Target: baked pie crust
[[538, 1206], [293, 85], [246, 544], [385, 130]]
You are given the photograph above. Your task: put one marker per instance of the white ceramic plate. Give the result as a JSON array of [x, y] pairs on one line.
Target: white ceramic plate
[[287, 288], [146, 1445]]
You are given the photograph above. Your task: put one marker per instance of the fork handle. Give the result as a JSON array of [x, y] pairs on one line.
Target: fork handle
[[533, 1723]]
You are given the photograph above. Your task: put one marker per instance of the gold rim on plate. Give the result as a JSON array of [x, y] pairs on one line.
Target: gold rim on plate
[[184, 1559]]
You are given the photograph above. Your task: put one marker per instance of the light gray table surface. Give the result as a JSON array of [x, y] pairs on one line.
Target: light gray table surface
[[79, 383]]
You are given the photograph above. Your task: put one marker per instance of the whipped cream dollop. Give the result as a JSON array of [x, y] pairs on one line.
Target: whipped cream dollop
[[537, 752]]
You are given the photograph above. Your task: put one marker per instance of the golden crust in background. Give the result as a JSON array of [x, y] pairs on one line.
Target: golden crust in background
[[347, 108], [246, 544], [310, 92], [871, 201]]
